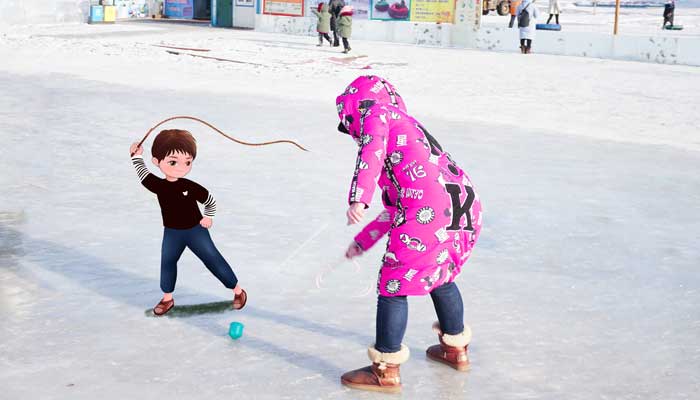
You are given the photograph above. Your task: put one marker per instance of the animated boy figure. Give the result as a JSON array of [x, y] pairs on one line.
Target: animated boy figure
[[174, 152]]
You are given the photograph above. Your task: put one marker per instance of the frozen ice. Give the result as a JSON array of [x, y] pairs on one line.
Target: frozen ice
[[584, 284]]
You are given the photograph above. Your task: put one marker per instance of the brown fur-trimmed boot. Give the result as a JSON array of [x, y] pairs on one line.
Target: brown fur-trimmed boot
[[452, 349], [382, 376]]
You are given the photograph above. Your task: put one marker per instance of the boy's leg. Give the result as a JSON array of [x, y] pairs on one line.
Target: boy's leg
[[449, 308], [171, 250], [203, 247], [388, 353]]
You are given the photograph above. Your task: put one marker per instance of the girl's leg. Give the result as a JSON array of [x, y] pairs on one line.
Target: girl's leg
[[346, 44], [320, 39], [203, 247], [557, 16], [453, 335], [171, 250], [529, 45], [522, 46], [392, 317], [550, 17], [328, 38], [449, 308], [388, 353]]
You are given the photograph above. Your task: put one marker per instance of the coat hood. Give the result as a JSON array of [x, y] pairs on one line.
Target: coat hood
[[361, 94]]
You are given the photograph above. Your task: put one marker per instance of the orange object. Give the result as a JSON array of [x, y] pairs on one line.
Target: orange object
[[514, 6]]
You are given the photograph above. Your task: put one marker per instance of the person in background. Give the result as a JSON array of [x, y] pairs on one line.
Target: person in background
[[669, 10], [554, 10], [527, 14], [513, 10], [324, 23], [334, 7], [345, 27]]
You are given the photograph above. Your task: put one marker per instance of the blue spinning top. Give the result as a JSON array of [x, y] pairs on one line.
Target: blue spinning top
[[235, 330]]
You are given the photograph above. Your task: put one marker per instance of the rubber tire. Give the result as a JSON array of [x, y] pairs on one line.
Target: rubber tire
[[503, 8]]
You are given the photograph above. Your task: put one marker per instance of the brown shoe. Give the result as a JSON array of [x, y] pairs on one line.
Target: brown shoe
[[452, 349], [239, 300], [163, 307], [382, 376]]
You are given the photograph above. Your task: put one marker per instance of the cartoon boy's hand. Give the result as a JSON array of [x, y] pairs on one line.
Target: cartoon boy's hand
[[135, 149], [206, 222]]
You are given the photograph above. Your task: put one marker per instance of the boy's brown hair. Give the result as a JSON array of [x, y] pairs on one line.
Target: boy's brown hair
[[170, 141]]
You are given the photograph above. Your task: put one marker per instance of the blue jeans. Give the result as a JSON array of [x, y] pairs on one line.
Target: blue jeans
[[199, 241], [392, 316]]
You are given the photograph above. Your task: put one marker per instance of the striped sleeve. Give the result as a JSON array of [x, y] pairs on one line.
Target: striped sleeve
[[210, 206], [140, 167]]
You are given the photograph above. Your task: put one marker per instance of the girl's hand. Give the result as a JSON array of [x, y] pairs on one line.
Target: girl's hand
[[355, 213], [353, 251], [206, 222], [135, 149]]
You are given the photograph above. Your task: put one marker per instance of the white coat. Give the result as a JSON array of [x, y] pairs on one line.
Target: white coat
[[527, 32], [554, 7]]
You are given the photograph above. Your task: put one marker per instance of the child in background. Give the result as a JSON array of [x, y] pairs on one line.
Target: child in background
[[345, 27], [669, 10], [173, 153], [513, 10], [324, 23]]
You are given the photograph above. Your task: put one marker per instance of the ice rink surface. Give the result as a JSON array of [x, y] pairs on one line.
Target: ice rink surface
[[584, 284]]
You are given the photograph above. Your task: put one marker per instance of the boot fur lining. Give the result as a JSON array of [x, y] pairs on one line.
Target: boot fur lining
[[458, 340], [378, 357]]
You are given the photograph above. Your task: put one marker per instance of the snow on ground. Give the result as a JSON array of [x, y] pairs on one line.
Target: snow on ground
[[584, 284]]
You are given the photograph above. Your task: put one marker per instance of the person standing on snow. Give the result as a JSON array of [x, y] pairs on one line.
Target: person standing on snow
[[324, 23], [513, 10], [669, 10], [334, 7], [527, 14], [432, 216], [554, 10], [345, 27]]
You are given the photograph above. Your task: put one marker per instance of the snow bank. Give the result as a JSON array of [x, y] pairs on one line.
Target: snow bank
[[653, 48]]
